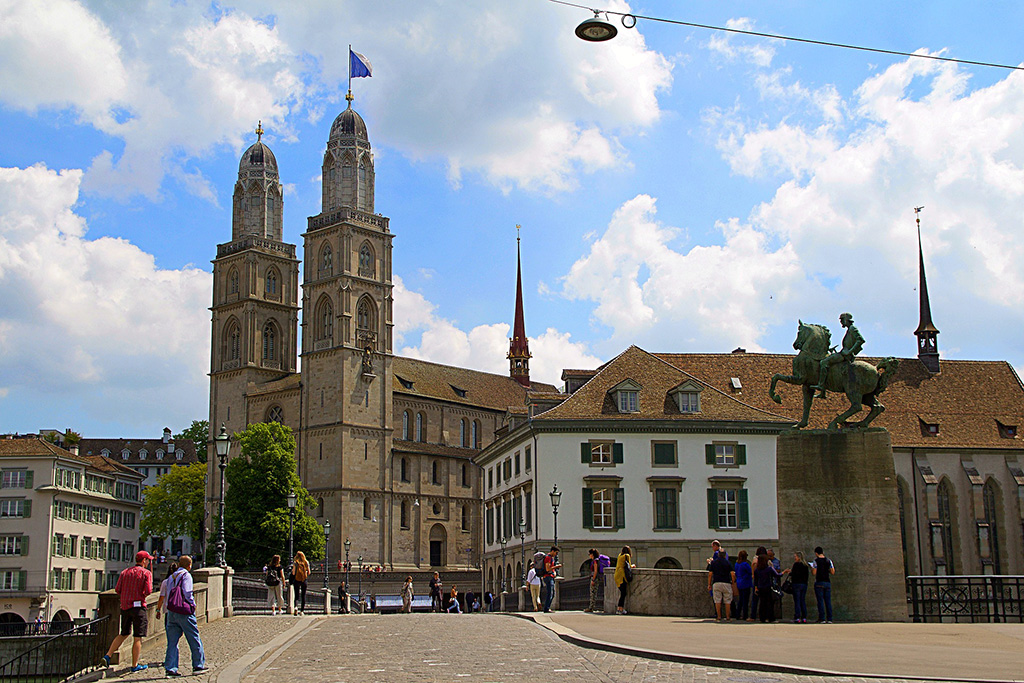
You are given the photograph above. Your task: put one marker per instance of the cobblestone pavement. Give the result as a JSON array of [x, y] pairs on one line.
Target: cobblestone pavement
[[224, 641], [440, 647]]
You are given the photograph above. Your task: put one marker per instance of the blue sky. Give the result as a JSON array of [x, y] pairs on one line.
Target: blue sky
[[679, 189]]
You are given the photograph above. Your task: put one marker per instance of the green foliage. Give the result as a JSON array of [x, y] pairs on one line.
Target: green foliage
[[199, 433], [174, 506], [256, 506]]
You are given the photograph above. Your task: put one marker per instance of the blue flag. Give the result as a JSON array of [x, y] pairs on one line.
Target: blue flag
[[358, 65]]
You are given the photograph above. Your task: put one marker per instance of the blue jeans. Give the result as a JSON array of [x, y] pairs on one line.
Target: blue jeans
[[549, 592], [823, 593], [176, 626], [799, 601]]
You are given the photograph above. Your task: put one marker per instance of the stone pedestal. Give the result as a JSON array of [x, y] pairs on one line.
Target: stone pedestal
[[837, 490]]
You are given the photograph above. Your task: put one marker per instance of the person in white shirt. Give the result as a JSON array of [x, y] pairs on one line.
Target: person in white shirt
[[181, 624], [534, 582]]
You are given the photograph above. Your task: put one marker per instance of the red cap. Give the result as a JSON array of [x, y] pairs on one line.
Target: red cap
[[143, 555]]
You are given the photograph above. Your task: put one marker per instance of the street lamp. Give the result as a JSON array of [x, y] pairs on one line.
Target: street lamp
[[360, 561], [292, 500], [348, 546], [522, 542], [327, 550], [595, 30], [503, 541], [556, 496], [223, 444]]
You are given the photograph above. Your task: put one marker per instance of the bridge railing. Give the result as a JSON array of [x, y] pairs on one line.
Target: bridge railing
[[59, 658], [959, 599]]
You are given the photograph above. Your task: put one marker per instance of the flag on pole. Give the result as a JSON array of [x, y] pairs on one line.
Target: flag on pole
[[358, 65]]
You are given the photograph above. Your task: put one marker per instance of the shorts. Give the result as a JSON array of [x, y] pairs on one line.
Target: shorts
[[722, 592], [134, 619]]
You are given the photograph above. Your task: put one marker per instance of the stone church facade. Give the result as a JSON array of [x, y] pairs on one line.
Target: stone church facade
[[384, 443]]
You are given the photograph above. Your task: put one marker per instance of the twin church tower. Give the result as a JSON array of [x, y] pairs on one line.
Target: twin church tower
[[384, 443]]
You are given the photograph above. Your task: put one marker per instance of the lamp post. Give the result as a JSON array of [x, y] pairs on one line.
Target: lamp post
[[522, 545], [556, 496], [292, 500], [360, 561], [327, 550], [348, 546], [503, 541], [223, 444]]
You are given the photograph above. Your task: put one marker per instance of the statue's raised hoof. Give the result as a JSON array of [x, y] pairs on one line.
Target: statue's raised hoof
[[777, 398]]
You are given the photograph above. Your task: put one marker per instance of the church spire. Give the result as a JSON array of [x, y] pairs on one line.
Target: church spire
[[927, 333], [519, 347]]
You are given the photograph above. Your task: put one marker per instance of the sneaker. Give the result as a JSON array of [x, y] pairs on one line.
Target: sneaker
[[625, 612], [139, 667], [106, 660], [172, 673], [829, 621], [201, 669]]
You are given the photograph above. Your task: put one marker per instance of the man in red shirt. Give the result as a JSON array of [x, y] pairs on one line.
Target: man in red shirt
[[133, 586]]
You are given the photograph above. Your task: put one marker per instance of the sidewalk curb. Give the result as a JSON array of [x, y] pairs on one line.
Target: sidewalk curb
[[240, 668], [571, 636]]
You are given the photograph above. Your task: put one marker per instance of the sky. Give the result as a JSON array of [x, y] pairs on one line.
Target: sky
[[681, 189]]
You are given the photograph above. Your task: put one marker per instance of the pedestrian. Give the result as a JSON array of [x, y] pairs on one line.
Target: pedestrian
[[274, 578], [534, 582], [133, 586], [823, 571], [453, 603], [470, 601], [181, 619], [721, 579], [765, 577], [300, 579], [436, 596], [623, 575], [744, 585], [753, 596], [164, 585], [598, 563], [407, 595], [776, 594], [798, 577], [551, 567], [343, 597]]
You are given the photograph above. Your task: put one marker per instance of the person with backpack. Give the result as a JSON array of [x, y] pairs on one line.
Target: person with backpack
[[598, 563], [274, 578], [181, 619], [299, 578], [551, 565]]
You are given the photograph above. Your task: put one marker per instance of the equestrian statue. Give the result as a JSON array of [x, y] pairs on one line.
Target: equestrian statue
[[821, 367]]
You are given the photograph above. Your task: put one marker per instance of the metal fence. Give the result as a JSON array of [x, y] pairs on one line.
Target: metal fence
[[33, 628], [57, 658], [959, 599], [574, 594], [250, 595]]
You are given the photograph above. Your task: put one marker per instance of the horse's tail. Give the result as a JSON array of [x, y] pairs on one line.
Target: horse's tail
[[886, 369]]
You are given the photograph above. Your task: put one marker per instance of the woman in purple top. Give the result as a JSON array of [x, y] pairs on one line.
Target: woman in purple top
[[744, 584], [764, 578]]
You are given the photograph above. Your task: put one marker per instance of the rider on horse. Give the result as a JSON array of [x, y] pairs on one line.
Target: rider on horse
[[853, 342]]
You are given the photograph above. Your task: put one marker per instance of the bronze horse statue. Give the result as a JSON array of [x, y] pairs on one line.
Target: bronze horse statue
[[860, 381]]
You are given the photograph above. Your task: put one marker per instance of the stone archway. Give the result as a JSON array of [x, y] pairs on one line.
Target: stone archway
[[438, 546], [668, 563]]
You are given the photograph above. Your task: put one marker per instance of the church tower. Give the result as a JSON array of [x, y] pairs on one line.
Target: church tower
[[519, 347], [347, 346], [927, 334], [255, 295]]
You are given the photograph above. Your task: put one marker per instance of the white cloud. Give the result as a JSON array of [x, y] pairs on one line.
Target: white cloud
[[733, 47], [95, 321]]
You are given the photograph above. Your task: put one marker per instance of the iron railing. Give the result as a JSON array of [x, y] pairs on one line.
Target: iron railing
[[250, 595], [959, 599], [574, 594], [58, 658], [34, 628]]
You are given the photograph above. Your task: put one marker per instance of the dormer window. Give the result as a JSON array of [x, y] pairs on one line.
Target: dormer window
[[929, 427], [143, 454], [179, 454], [627, 396], [1007, 431], [159, 455], [628, 401], [404, 382], [687, 396], [125, 453], [461, 393]]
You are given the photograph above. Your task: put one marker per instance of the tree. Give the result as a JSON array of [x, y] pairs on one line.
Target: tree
[[199, 433], [256, 505], [174, 506]]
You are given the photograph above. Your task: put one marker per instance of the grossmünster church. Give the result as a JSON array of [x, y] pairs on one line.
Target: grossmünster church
[[384, 443]]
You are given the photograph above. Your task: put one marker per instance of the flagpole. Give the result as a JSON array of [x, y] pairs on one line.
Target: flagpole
[[349, 95]]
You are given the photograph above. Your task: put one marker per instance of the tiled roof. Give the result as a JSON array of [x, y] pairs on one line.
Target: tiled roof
[[482, 389], [111, 466], [422, 448], [656, 378], [35, 447], [966, 398], [115, 446]]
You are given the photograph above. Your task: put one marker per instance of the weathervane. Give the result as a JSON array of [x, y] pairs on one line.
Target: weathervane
[[917, 212], [517, 231], [259, 131]]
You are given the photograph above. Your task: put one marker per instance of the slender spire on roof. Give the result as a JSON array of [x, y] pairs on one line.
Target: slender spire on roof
[[927, 333], [259, 131], [519, 347]]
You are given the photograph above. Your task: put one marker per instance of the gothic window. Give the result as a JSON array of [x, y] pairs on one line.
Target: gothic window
[[404, 522], [433, 473], [325, 320], [943, 496], [233, 281], [326, 261], [269, 342], [271, 284], [420, 432], [275, 414], [462, 433], [364, 315], [465, 518], [465, 474], [474, 437], [992, 523], [405, 426], [404, 470], [366, 261], [233, 342]]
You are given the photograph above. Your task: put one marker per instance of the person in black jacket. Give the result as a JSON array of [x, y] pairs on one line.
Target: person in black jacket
[[799, 574], [764, 579]]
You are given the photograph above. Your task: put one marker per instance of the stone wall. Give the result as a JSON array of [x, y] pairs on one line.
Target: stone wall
[[662, 592]]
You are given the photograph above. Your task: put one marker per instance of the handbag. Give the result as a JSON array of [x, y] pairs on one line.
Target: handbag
[[787, 586], [176, 601], [629, 573]]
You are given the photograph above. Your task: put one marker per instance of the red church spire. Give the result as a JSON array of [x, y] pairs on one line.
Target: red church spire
[[519, 347]]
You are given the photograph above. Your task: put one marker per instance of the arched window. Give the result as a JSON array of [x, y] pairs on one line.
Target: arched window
[[474, 437], [320, 507], [420, 431], [233, 342], [404, 520], [233, 281], [367, 509], [404, 470], [946, 521], [405, 425], [364, 315], [324, 324], [433, 473], [275, 414], [465, 518], [367, 265], [271, 283], [463, 436], [988, 495], [465, 474], [326, 261], [269, 342]]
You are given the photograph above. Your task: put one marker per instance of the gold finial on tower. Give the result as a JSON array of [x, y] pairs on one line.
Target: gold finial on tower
[[917, 212], [517, 231], [259, 131]]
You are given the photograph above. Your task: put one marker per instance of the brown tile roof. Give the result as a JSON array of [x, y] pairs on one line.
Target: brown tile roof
[[111, 466], [35, 447], [965, 398], [482, 389], [656, 377], [115, 446]]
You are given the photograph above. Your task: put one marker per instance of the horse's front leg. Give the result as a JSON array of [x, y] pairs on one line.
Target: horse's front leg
[[788, 379], [808, 399]]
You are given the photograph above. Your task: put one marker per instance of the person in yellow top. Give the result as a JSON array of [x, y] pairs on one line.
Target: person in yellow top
[[623, 575], [300, 574]]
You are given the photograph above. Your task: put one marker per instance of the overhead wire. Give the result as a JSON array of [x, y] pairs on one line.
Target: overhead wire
[[775, 36]]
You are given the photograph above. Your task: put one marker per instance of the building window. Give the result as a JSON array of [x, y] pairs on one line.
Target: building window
[[600, 453], [12, 545], [269, 342], [404, 519], [364, 316], [405, 470], [325, 320], [433, 473], [663, 454], [271, 284], [945, 527], [728, 508], [326, 262], [465, 518], [366, 261], [15, 507], [465, 474], [15, 479], [506, 468], [529, 458], [528, 500], [275, 414], [366, 508], [420, 434], [725, 454], [515, 461], [1007, 431], [666, 508], [604, 507], [490, 478], [233, 282], [474, 436], [689, 401], [991, 527], [628, 401], [463, 435], [490, 525]]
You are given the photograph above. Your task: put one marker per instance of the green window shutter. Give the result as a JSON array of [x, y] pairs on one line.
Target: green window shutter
[[712, 508], [22, 580], [585, 453], [741, 455], [588, 509], [744, 508], [620, 508], [617, 453], [664, 454], [24, 546], [709, 453], [28, 509], [28, 479]]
